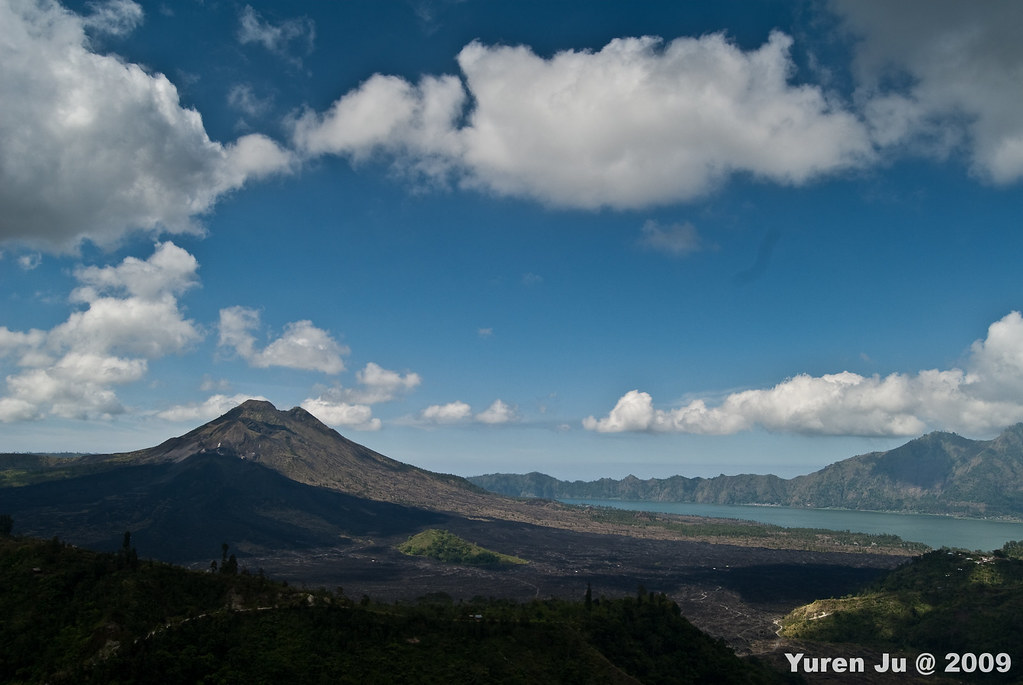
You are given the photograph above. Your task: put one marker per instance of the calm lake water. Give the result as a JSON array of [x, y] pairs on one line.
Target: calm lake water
[[936, 531]]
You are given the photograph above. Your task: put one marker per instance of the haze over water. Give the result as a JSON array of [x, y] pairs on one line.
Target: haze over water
[[936, 531]]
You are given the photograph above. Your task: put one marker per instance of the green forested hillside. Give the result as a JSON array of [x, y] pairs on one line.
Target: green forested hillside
[[943, 601], [72, 616]]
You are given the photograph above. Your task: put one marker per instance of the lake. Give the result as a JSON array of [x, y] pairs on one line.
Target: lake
[[936, 531]]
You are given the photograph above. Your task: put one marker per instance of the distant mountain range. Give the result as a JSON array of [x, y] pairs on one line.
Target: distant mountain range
[[939, 473]]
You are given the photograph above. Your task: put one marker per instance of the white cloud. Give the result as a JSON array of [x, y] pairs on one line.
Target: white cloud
[[77, 386], [996, 363], [332, 413], [18, 343], [963, 63], [132, 315], [301, 346], [639, 123], [382, 385], [170, 270], [677, 240], [985, 397], [283, 38], [388, 113], [133, 307], [95, 147], [211, 408], [304, 346], [498, 412], [151, 328], [351, 407], [452, 412]]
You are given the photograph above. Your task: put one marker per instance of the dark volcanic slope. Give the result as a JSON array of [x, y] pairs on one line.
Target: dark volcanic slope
[[182, 511], [297, 445], [96, 498]]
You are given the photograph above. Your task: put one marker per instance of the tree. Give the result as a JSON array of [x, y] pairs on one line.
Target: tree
[[228, 565], [129, 555]]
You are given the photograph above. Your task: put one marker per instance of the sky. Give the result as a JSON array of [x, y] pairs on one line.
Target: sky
[[587, 239]]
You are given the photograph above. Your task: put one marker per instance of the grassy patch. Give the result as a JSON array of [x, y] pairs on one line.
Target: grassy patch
[[451, 549]]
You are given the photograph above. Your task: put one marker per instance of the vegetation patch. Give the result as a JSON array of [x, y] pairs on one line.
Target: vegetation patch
[[451, 549], [943, 601]]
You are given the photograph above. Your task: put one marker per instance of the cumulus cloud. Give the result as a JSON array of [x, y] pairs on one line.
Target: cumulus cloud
[[498, 412], [211, 408], [17, 343], [351, 407], [133, 307], [963, 64], [984, 397], [131, 316], [334, 413], [382, 385], [452, 412], [95, 147], [301, 346], [640, 122]]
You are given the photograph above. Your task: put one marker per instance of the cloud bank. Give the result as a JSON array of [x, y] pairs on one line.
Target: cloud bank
[[988, 395], [131, 315], [645, 122], [95, 147], [640, 122]]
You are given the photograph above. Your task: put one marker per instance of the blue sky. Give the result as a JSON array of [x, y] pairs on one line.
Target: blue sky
[[589, 239]]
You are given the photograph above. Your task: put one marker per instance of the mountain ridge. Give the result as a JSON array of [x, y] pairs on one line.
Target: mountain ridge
[[93, 498], [299, 446], [938, 473]]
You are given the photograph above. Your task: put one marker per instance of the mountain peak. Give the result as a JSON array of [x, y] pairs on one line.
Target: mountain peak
[[254, 404], [256, 412], [252, 409], [301, 447]]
